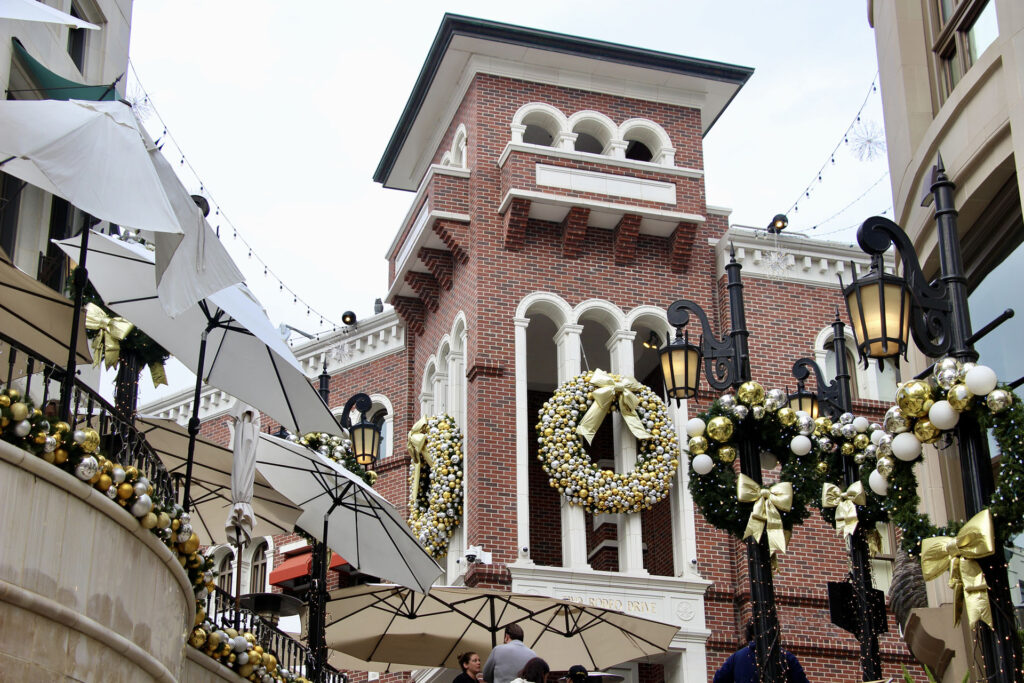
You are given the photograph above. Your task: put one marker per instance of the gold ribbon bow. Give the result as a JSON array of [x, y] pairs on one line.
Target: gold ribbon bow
[[609, 388], [418, 453], [958, 555], [767, 504], [845, 503], [874, 541], [112, 330], [157, 372]]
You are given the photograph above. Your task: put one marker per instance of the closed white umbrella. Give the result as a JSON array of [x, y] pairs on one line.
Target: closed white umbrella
[[241, 520], [32, 10], [93, 154]]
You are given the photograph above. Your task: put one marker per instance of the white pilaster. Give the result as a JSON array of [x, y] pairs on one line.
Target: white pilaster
[[456, 388], [684, 532], [631, 538], [440, 391], [574, 531], [522, 447]]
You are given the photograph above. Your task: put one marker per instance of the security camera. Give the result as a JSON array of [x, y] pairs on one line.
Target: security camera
[[694, 562], [526, 551], [472, 553]]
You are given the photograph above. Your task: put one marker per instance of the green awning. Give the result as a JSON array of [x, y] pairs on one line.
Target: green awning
[[55, 87]]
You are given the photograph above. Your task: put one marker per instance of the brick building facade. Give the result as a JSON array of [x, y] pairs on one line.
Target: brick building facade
[[559, 208]]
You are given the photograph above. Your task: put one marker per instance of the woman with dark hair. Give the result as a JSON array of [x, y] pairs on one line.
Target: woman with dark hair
[[471, 665], [535, 671]]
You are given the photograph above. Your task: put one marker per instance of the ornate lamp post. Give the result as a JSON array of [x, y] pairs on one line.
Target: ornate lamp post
[[727, 364], [883, 309], [365, 439], [868, 619]]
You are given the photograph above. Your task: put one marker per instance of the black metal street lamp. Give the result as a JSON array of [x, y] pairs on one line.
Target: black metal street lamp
[[365, 439], [882, 308], [868, 618], [727, 364]]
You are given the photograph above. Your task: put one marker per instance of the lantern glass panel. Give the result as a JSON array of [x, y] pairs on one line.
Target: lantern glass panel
[[680, 365], [880, 312]]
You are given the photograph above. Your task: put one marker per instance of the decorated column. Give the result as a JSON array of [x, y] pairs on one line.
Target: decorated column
[[631, 538], [574, 521]]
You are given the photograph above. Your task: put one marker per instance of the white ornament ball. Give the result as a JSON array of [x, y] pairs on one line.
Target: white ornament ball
[[118, 475], [877, 435], [800, 445], [906, 446], [943, 415], [242, 659], [702, 464], [23, 428], [142, 506], [141, 486], [239, 644], [861, 424], [79, 436], [695, 427], [51, 445], [981, 379], [878, 483]]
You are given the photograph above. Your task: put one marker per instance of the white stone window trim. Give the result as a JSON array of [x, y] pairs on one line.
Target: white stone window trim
[[865, 380]]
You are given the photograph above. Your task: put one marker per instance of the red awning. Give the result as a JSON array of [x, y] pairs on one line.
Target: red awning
[[299, 566]]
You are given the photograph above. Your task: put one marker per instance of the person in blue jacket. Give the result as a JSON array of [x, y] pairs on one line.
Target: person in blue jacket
[[741, 667]]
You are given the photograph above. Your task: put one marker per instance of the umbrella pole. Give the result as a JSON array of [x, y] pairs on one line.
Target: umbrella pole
[[193, 422], [80, 276], [238, 580]]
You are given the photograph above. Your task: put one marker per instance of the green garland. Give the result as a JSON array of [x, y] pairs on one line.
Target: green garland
[[764, 420], [582, 482], [340, 451]]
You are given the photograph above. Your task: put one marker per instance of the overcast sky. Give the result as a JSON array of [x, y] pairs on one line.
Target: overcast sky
[[284, 109]]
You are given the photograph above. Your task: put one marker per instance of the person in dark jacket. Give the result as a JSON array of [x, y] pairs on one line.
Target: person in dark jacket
[[471, 665], [741, 667]]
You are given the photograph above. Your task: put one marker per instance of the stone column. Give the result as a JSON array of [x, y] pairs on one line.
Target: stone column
[[631, 538], [523, 423], [684, 533], [440, 391], [574, 530]]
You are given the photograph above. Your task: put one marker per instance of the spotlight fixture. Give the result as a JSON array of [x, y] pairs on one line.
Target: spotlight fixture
[[778, 223], [348, 318], [652, 341]]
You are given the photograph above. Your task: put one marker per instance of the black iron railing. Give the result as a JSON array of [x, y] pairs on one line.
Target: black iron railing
[[40, 380], [290, 653]]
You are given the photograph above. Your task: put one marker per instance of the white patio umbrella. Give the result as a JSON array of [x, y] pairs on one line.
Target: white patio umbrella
[[93, 154], [340, 510], [211, 481], [32, 10], [226, 338], [394, 624], [193, 265], [240, 521]]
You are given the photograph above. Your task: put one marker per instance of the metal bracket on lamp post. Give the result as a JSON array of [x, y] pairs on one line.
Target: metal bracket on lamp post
[[360, 402], [929, 317], [721, 365], [828, 395]]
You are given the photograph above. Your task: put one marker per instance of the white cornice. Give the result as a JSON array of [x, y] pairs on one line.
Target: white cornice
[[805, 260], [435, 169]]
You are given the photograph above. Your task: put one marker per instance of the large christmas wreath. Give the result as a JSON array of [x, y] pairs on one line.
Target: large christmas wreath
[[781, 434], [575, 411], [925, 412], [435, 483]]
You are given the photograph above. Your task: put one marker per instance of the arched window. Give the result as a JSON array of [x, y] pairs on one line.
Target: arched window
[[225, 572], [594, 131], [383, 424], [871, 383], [537, 134], [538, 123], [258, 568], [647, 141]]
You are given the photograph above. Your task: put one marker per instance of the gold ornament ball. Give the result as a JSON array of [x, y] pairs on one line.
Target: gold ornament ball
[[246, 670], [726, 454], [884, 466], [124, 491], [104, 483], [861, 441], [959, 397], [750, 393], [999, 400], [914, 398], [198, 638], [697, 445], [822, 467], [5, 400], [822, 426], [60, 456], [191, 545], [925, 431], [148, 520], [61, 427], [847, 449], [19, 411], [720, 428], [131, 473], [92, 441], [787, 416]]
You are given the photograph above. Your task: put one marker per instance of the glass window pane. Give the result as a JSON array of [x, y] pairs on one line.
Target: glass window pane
[[945, 10], [951, 70], [983, 32]]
